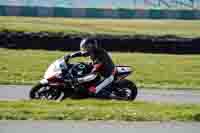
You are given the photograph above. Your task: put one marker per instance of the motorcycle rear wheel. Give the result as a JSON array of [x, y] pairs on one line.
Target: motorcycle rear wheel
[[126, 90]]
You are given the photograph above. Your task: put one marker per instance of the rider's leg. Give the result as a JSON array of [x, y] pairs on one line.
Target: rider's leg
[[104, 83], [95, 90], [108, 79]]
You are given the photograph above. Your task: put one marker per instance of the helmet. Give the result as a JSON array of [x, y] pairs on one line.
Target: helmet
[[87, 44]]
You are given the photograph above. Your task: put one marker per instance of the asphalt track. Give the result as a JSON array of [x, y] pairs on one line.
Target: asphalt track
[[13, 92], [20, 92], [96, 127]]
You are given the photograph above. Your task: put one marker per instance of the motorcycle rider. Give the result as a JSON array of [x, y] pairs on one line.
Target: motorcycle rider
[[101, 60]]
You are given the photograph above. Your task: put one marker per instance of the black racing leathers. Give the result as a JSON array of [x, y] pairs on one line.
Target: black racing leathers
[[98, 56]]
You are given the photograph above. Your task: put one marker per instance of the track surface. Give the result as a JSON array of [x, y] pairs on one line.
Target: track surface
[[96, 127], [20, 92], [13, 92]]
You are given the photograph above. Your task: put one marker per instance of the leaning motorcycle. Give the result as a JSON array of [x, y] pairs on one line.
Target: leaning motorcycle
[[58, 82]]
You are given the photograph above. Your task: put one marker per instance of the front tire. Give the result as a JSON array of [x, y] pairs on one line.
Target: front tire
[[33, 94], [40, 91]]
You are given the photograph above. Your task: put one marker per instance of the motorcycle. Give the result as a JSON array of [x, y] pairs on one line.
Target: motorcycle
[[58, 82]]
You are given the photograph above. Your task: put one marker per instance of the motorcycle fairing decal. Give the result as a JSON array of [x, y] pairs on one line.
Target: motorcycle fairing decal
[[54, 79], [44, 81], [123, 69]]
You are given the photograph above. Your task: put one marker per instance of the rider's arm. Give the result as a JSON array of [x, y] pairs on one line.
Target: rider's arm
[[79, 54], [76, 54]]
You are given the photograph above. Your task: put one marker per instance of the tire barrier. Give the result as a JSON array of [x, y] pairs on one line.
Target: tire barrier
[[137, 43]]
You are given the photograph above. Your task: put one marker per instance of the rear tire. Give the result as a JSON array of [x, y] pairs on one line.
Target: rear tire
[[127, 90]]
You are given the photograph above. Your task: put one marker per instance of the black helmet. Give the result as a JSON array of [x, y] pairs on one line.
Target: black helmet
[[87, 44]]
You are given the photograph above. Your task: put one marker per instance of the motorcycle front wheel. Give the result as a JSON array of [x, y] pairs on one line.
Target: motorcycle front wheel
[[39, 91]]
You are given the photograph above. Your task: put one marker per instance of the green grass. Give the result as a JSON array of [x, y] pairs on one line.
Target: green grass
[[97, 110], [151, 70], [180, 28]]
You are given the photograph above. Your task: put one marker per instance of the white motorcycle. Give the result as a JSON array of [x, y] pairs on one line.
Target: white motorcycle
[[58, 82]]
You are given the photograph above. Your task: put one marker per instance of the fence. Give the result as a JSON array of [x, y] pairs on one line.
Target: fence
[[173, 9], [98, 13], [111, 4]]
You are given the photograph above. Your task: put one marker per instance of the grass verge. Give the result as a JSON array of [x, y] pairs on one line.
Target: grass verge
[[181, 28], [151, 70], [97, 110]]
